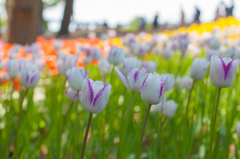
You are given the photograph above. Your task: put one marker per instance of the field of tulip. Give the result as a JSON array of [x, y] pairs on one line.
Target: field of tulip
[[173, 94]]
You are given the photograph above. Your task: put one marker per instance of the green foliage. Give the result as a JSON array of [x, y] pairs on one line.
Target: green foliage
[[46, 106]]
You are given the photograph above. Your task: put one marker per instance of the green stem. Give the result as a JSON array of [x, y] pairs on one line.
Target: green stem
[[158, 136], [60, 119], [86, 135], [189, 98], [142, 133], [185, 129], [9, 123], [65, 117], [213, 123], [19, 118], [123, 138], [112, 72], [75, 129]]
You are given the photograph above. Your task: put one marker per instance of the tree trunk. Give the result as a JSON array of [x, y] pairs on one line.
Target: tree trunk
[[23, 21], [66, 18]]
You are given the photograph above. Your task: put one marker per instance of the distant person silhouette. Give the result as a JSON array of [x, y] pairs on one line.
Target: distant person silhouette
[[182, 18], [142, 24], [229, 10], [197, 15], [155, 22], [105, 24]]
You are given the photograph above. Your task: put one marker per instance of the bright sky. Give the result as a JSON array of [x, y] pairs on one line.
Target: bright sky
[[123, 11]]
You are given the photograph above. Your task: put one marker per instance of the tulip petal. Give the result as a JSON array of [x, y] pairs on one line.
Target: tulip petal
[[122, 77], [99, 95], [226, 68], [90, 91]]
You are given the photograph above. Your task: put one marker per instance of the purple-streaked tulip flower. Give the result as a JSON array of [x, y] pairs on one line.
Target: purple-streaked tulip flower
[[238, 129], [212, 52], [116, 55], [13, 68], [129, 39], [76, 76], [86, 49], [175, 45], [33, 48], [152, 88], [169, 108], [134, 78], [95, 95], [186, 82], [232, 52], [183, 43], [170, 81], [72, 94], [68, 61], [222, 71], [104, 66], [214, 43], [199, 68], [150, 66], [129, 63], [30, 76], [95, 53], [139, 49]]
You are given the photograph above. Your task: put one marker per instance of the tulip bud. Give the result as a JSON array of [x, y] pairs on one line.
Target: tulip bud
[[129, 39], [139, 49], [57, 43], [212, 52], [232, 52], [68, 61], [40, 64], [167, 54], [150, 66], [116, 55], [104, 66], [95, 95], [76, 76], [214, 43], [86, 60], [152, 88], [13, 68], [186, 82], [183, 43], [158, 107], [222, 71], [95, 53], [238, 129], [169, 108], [129, 63], [72, 94], [170, 81], [30, 76], [134, 79], [198, 68]]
